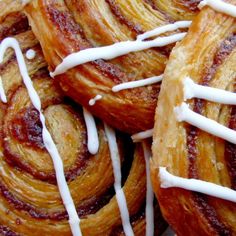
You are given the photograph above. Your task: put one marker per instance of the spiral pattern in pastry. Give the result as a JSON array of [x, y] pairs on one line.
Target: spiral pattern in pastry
[[29, 199]]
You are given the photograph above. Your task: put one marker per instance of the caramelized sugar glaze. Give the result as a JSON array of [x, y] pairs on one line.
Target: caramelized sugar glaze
[[29, 197]]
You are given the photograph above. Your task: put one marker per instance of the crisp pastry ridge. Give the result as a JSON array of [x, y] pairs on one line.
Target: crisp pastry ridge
[[70, 26], [29, 200], [207, 55]]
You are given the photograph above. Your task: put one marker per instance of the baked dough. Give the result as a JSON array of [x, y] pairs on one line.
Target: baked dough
[[30, 203], [207, 55], [65, 27]]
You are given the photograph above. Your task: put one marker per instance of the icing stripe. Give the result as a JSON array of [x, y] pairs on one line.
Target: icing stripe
[[219, 6], [47, 138], [138, 83], [120, 196], [192, 90], [183, 113], [142, 135], [169, 181], [163, 29], [149, 211], [2, 92], [112, 51], [93, 100], [93, 142]]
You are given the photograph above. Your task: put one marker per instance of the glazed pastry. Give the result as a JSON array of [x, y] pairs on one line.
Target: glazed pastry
[[30, 201], [67, 27], [187, 140]]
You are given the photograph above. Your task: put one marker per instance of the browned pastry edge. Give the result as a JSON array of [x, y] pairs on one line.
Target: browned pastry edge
[[86, 81], [208, 48], [24, 129]]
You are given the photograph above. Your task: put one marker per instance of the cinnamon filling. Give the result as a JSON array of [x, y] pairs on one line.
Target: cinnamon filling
[[226, 47]]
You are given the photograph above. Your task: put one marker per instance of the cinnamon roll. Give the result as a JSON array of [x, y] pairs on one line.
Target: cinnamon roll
[[194, 134], [30, 196], [69, 27]]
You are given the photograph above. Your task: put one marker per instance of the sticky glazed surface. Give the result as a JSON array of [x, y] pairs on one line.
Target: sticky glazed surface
[[69, 26], [208, 56], [29, 197]]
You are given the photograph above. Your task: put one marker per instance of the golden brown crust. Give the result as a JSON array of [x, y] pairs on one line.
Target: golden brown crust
[[29, 199], [69, 26], [177, 9], [208, 56]]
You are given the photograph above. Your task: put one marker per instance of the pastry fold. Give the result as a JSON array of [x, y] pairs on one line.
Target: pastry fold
[[176, 9], [65, 27], [30, 203], [208, 56]]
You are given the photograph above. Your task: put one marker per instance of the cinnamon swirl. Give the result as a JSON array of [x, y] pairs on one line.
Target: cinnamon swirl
[[194, 134]]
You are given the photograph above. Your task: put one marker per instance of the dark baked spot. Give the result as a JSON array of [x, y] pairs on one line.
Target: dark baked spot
[[13, 24], [26, 127]]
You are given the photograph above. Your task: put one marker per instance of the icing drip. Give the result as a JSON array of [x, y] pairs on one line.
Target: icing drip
[[93, 142], [120, 196], [149, 195], [192, 90], [138, 83], [2, 92], [168, 181], [112, 51], [93, 100], [164, 29], [220, 6], [30, 54], [142, 135], [47, 138], [183, 113]]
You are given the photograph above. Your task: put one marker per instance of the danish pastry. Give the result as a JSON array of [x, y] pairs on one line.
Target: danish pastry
[[30, 201], [194, 118], [67, 27]]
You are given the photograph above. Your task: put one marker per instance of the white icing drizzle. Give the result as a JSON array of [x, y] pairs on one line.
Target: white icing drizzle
[[112, 51], [120, 196], [2, 92], [93, 141], [138, 137], [168, 181], [219, 6], [163, 29], [93, 100], [138, 83], [149, 211], [30, 54], [47, 138], [192, 90], [183, 113]]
